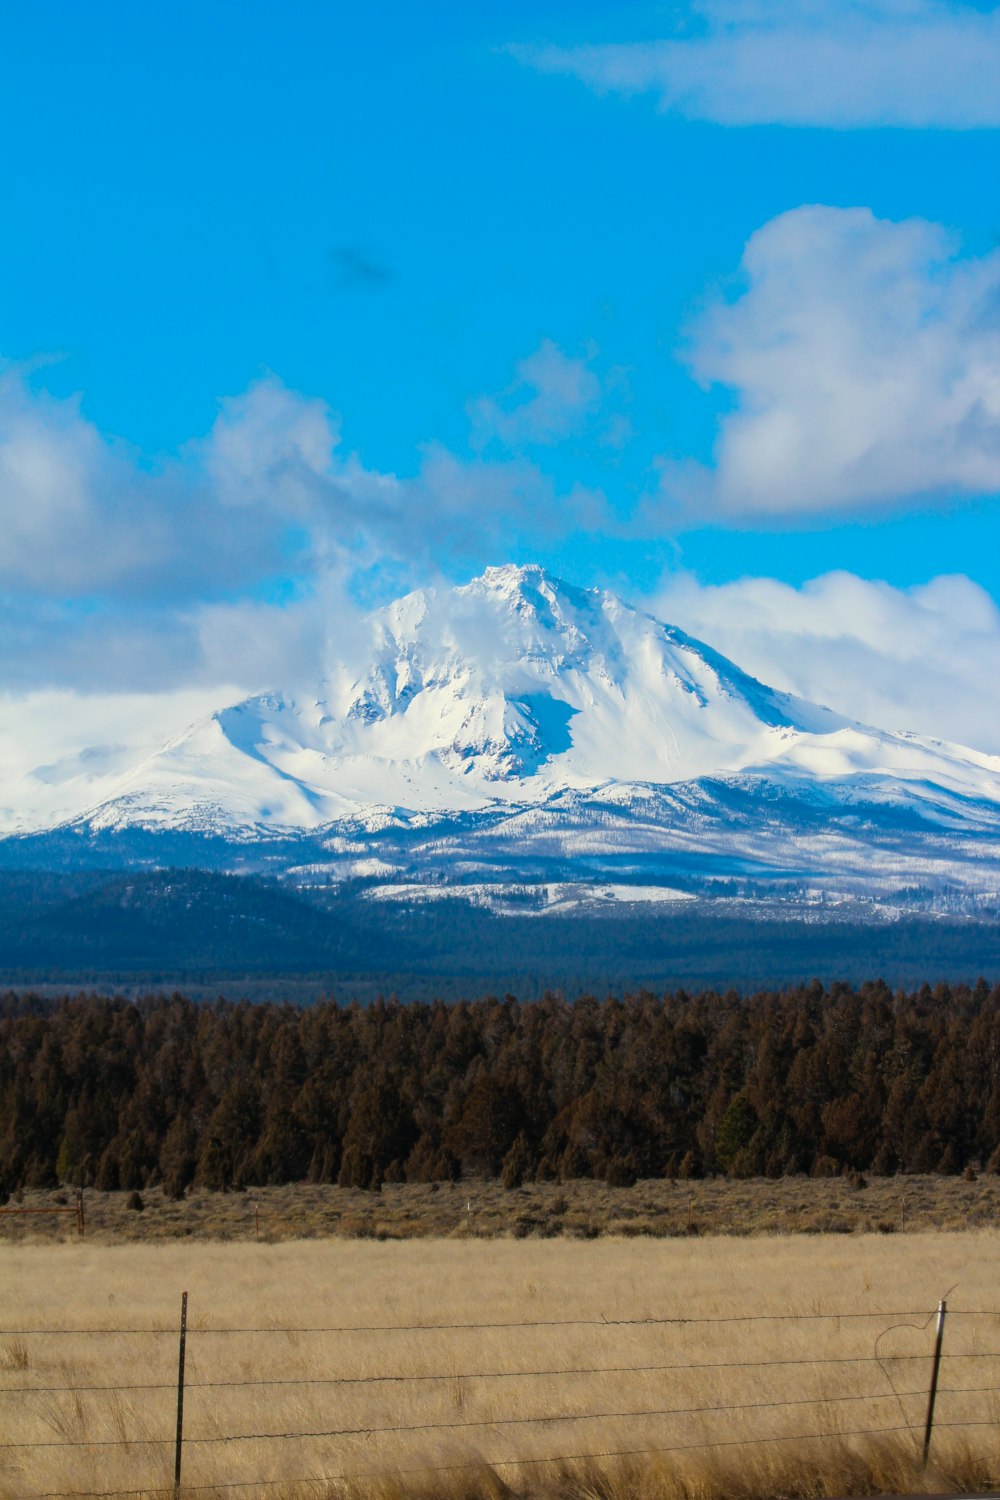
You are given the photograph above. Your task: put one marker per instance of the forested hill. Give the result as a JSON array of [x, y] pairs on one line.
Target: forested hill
[[116, 1094], [170, 928]]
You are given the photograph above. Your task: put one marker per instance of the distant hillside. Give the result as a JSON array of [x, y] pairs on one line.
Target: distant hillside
[[184, 920], [173, 926]]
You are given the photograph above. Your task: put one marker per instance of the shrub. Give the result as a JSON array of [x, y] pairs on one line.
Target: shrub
[[620, 1172], [516, 1164], [736, 1130]]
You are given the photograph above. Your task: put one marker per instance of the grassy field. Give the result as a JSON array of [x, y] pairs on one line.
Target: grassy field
[[408, 1403], [574, 1210]]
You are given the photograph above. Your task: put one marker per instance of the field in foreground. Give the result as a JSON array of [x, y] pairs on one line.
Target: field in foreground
[[477, 1209], [560, 1368]]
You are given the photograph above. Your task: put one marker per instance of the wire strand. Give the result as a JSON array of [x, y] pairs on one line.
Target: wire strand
[[547, 1417], [601, 1322], [495, 1463], [449, 1375]]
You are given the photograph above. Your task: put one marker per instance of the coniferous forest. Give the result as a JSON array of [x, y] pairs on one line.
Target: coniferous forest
[[121, 1094]]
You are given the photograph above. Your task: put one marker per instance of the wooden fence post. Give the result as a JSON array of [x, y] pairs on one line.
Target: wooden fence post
[[80, 1221], [180, 1395], [935, 1369]]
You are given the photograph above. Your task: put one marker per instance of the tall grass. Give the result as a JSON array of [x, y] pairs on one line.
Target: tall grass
[[726, 1408]]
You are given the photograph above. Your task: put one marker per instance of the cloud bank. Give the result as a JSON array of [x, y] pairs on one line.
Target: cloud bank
[[924, 659], [84, 516], [864, 358], [234, 560], [834, 63]]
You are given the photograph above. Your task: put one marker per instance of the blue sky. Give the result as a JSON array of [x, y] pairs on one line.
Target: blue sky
[[306, 304]]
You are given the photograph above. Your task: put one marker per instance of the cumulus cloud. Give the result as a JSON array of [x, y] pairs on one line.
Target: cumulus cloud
[[108, 646], [925, 658], [233, 560], [839, 63], [491, 505], [84, 516], [548, 399], [214, 566], [271, 446], [59, 483], [865, 363]]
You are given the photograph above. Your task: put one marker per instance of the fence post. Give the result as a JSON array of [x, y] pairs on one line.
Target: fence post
[[180, 1394], [80, 1221], [935, 1369]]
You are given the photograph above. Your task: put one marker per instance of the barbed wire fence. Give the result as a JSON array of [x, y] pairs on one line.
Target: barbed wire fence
[[939, 1382]]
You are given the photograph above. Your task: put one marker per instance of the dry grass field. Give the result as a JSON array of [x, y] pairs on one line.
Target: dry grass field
[[687, 1367], [574, 1210]]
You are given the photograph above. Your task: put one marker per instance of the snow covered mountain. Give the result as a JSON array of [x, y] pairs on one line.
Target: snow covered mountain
[[518, 721]]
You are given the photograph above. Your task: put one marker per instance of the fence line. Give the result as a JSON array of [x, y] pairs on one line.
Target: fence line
[[546, 1417], [497, 1423], [448, 1375], [484, 1463], [77, 1211], [647, 1322]]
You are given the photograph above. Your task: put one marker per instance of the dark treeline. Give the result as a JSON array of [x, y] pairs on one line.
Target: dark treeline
[[124, 1095]]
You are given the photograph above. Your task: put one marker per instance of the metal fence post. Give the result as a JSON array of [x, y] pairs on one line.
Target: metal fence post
[[935, 1369], [180, 1394]]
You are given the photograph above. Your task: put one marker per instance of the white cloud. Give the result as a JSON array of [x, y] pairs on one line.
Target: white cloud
[[489, 504], [866, 366], [547, 400], [83, 516], [925, 658], [273, 447], [840, 63], [287, 645], [59, 480], [211, 568], [232, 561], [61, 750]]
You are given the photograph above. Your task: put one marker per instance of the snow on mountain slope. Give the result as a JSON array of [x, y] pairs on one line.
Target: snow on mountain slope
[[61, 752], [510, 690]]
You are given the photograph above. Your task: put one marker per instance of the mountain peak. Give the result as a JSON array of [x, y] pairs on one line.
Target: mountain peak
[[523, 580], [513, 575], [512, 688]]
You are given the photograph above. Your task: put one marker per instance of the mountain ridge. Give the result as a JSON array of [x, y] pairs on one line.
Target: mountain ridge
[[509, 688], [519, 728]]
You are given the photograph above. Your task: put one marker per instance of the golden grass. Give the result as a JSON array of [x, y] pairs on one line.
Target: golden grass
[[484, 1378], [575, 1210]]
